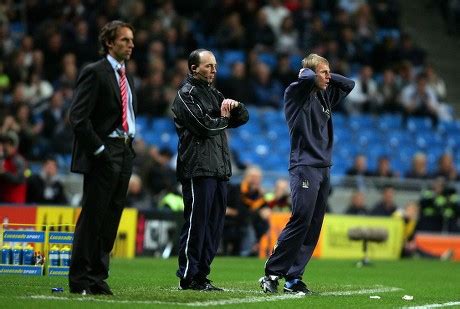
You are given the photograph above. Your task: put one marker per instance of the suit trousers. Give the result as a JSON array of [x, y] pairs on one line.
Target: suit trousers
[[104, 197], [309, 190], [205, 200]]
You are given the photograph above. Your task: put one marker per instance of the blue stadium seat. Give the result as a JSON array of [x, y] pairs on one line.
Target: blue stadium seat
[[389, 121], [361, 122], [295, 62], [269, 59], [417, 124], [231, 56]]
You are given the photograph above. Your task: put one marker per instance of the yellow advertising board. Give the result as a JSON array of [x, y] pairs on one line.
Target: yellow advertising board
[[335, 242], [125, 243]]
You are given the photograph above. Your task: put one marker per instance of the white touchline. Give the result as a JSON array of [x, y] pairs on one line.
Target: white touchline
[[231, 301], [427, 306]]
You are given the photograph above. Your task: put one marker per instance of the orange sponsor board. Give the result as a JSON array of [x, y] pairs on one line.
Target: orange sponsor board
[[277, 223], [437, 244]]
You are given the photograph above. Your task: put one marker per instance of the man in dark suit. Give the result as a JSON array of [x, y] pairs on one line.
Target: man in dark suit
[[102, 116]]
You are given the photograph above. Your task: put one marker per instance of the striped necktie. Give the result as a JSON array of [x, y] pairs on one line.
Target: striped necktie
[[124, 98]]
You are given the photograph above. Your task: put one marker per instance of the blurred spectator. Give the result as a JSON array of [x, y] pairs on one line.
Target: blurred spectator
[[283, 71], [410, 52], [359, 167], [419, 99], [386, 13], [386, 206], [287, 39], [46, 188], [419, 168], [446, 168], [231, 34], [261, 35], [5, 81], [161, 179], [252, 197], [237, 85], [275, 12], [12, 170], [152, 97], [363, 98], [137, 197], [236, 222], [410, 248], [439, 208], [435, 82], [29, 129], [53, 115], [384, 168], [267, 90], [279, 199], [357, 204], [388, 92]]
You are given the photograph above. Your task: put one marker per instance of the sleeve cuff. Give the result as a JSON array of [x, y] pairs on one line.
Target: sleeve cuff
[[99, 150]]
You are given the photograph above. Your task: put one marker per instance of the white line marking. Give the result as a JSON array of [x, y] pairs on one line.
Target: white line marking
[[449, 304], [231, 301]]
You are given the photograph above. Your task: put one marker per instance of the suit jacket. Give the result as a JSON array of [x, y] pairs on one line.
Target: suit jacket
[[95, 112]]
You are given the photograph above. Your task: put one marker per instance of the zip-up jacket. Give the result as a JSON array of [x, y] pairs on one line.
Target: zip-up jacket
[[203, 148], [309, 117]]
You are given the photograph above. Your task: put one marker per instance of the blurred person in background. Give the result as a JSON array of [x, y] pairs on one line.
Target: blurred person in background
[[384, 168], [388, 92], [418, 99], [102, 116], [253, 198], [201, 115], [308, 104], [137, 196], [364, 97], [13, 168], [419, 168], [386, 206], [46, 187], [359, 167], [357, 204], [280, 199], [446, 168]]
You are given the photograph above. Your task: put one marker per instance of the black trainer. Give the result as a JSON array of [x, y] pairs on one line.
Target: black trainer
[[269, 284], [191, 285], [297, 287], [208, 286]]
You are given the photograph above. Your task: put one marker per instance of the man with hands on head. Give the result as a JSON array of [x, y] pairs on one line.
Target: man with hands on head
[[201, 116], [307, 104]]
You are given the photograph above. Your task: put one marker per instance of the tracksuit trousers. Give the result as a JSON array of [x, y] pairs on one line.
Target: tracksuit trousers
[[309, 190], [205, 200]]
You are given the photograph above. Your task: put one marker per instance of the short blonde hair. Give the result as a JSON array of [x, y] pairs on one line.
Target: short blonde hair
[[312, 61]]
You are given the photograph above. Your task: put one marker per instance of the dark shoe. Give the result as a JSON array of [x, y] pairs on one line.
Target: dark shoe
[[101, 289], [208, 286], [185, 284], [296, 286], [269, 284]]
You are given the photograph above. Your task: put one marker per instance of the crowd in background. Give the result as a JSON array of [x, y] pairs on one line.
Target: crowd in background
[[44, 44]]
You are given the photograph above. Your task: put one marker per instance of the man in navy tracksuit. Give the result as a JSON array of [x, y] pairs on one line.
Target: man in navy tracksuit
[[201, 115], [308, 105]]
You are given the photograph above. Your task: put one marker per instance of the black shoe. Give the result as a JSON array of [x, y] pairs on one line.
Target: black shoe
[[101, 288], [185, 284], [298, 287], [269, 284], [208, 286]]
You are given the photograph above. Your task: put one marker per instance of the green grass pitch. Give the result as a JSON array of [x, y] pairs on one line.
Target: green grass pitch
[[149, 282]]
